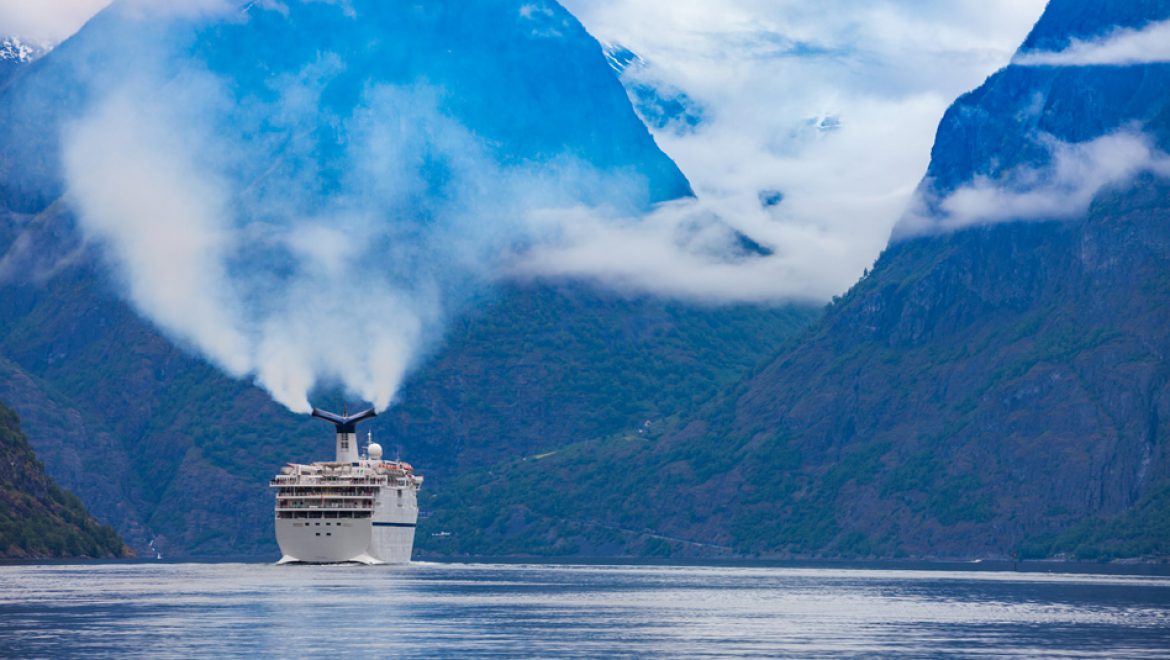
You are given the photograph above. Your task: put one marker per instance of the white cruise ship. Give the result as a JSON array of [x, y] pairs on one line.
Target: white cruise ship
[[358, 508]]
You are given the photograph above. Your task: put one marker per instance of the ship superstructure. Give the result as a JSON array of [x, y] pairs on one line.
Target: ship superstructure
[[358, 508]]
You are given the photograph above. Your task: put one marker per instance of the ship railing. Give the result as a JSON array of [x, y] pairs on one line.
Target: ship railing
[[332, 485], [322, 507], [326, 482], [326, 498], [326, 488]]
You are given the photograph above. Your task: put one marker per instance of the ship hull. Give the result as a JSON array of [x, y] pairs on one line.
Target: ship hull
[[392, 542], [322, 541], [341, 541]]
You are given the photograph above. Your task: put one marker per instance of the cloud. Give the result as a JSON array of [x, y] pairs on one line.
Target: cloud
[[832, 104], [1063, 188], [53, 21], [1122, 47], [46, 20]]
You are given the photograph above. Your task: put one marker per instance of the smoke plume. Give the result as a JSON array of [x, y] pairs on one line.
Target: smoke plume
[[235, 235]]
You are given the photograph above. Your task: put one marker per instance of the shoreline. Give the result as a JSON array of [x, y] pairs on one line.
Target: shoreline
[[1138, 568]]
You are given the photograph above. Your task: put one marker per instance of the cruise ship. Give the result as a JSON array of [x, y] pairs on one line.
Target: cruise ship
[[358, 508]]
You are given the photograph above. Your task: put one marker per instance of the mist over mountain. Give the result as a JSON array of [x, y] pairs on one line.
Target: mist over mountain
[[993, 388], [1038, 141]]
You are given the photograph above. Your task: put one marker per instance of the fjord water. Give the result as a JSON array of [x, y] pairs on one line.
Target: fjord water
[[465, 610]]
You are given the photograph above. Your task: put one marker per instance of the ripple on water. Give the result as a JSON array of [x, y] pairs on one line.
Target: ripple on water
[[177, 610]]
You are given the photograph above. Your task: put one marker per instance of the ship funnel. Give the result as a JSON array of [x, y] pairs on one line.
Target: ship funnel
[[347, 451]]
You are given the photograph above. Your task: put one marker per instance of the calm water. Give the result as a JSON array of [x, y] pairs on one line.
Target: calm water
[[462, 610]]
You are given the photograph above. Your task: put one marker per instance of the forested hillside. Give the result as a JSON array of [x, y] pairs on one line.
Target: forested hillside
[[37, 518]]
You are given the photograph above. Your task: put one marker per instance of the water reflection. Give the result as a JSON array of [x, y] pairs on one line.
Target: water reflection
[[179, 610]]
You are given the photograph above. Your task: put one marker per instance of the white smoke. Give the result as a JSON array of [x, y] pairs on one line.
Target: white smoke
[[238, 239], [162, 217], [265, 276]]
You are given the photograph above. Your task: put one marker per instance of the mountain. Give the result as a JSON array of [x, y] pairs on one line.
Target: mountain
[[37, 518], [1004, 124], [524, 77], [992, 391], [16, 53], [659, 105], [184, 453]]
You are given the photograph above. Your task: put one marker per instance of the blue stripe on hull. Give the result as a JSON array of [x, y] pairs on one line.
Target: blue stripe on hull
[[388, 524]]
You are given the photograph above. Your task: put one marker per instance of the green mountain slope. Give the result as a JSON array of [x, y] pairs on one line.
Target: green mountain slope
[[37, 518], [996, 391]]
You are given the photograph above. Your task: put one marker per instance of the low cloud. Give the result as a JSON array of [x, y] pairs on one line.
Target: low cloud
[[828, 107], [1064, 188], [831, 106], [46, 20], [1123, 47]]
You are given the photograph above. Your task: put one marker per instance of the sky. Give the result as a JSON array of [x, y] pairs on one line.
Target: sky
[[46, 20]]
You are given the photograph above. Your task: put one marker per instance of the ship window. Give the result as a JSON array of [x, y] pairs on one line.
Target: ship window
[[328, 534], [318, 533]]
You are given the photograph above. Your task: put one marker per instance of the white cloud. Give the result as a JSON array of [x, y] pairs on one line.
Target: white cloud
[[1064, 188], [768, 73], [46, 20], [53, 21], [1148, 45]]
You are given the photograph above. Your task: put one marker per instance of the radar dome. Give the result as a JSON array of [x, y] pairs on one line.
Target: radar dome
[[375, 451]]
